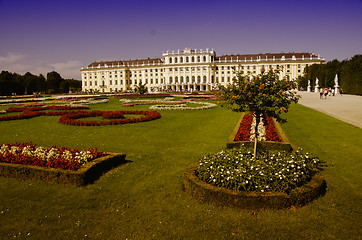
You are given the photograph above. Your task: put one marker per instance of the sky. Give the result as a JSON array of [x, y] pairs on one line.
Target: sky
[[40, 36]]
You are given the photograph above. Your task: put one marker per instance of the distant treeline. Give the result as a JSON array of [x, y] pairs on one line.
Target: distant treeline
[[349, 75], [13, 83]]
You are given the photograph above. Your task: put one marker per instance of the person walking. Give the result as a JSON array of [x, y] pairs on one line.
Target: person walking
[[321, 93], [325, 93]]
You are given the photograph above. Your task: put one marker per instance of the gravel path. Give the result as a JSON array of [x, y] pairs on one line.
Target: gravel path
[[347, 108]]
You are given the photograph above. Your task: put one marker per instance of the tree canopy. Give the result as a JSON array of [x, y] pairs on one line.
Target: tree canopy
[[29, 83], [262, 95], [349, 74]]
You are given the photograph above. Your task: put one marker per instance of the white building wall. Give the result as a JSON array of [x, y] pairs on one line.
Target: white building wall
[[203, 73]]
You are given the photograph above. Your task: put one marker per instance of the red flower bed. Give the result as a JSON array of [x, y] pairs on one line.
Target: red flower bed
[[38, 111], [69, 119], [243, 133], [68, 115], [244, 129], [270, 131], [63, 158]]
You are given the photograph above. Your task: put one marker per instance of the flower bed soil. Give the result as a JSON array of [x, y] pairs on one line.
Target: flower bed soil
[[284, 145], [208, 193], [87, 174]]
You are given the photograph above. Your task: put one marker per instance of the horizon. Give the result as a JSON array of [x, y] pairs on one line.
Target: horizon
[[64, 36]]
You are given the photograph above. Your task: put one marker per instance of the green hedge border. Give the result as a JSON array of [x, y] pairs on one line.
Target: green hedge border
[[285, 145], [208, 193], [87, 174]]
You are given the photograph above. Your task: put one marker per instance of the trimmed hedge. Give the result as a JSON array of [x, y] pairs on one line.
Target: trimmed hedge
[[87, 174], [285, 145], [208, 193]]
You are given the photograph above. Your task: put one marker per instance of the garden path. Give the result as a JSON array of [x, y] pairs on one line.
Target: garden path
[[347, 108]]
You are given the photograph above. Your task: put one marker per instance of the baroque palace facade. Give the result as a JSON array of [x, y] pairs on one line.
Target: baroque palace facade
[[189, 70]]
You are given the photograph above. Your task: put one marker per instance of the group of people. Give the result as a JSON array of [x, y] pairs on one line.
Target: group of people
[[324, 92]]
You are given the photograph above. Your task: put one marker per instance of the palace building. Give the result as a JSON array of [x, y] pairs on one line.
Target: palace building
[[189, 70]]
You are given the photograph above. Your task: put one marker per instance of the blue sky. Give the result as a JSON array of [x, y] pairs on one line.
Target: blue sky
[[41, 36]]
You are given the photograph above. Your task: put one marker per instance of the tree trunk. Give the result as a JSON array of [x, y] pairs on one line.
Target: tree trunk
[[257, 120]]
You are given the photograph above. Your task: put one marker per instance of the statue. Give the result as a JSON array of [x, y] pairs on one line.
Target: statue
[[336, 86], [308, 88], [316, 88]]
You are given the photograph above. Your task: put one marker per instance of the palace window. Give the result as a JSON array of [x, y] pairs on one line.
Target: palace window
[[110, 82], [198, 58], [85, 83], [116, 82], [204, 79], [175, 59], [181, 59], [192, 59], [204, 58], [198, 79], [170, 79], [187, 59], [170, 60]]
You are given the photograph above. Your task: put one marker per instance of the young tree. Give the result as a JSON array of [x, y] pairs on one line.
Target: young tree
[[262, 95]]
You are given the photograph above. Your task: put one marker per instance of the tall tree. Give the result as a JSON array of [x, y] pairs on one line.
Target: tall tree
[[53, 81]]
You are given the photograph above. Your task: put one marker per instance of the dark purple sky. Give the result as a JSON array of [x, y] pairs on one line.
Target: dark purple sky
[[45, 35]]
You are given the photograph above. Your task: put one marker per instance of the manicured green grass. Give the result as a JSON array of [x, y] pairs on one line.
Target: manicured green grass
[[143, 199]]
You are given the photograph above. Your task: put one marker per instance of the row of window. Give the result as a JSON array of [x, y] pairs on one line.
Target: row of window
[[127, 82], [188, 59]]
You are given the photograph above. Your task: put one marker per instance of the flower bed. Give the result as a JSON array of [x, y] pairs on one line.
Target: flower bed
[[87, 173], [274, 135], [153, 102], [183, 107], [239, 170], [207, 193], [150, 95], [69, 119], [63, 158], [68, 115]]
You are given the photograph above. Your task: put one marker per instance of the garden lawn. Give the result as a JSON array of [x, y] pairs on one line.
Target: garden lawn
[[144, 199]]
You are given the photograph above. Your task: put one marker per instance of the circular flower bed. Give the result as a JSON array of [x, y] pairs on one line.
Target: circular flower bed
[[272, 180], [237, 169], [117, 117]]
